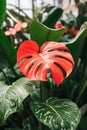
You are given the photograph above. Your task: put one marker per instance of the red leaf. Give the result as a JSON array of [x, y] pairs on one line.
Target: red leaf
[[53, 56]]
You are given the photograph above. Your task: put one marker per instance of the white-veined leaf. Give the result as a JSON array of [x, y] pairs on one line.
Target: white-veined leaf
[[11, 96], [58, 114]]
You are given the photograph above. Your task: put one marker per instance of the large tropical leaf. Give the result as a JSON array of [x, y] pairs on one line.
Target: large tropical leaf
[[53, 56], [2, 11], [58, 114], [40, 33], [52, 17], [11, 97]]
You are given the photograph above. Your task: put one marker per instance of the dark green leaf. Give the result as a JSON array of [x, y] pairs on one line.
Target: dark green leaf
[[81, 19], [77, 43], [53, 17], [8, 51], [11, 97], [3, 60], [35, 96], [2, 11], [48, 8], [58, 114], [41, 33]]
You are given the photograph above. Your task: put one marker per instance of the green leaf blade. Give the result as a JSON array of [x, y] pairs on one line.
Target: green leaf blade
[[11, 97], [7, 48], [53, 17], [76, 44], [40, 33], [57, 114], [2, 11]]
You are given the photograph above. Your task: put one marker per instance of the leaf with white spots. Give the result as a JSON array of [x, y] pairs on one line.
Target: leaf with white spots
[[12, 96], [58, 114]]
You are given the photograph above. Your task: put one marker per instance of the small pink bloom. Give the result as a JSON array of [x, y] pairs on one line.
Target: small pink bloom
[[24, 25], [12, 31], [7, 33], [17, 26]]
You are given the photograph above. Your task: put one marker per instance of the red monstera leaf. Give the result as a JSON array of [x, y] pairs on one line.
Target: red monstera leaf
[[34, 63]]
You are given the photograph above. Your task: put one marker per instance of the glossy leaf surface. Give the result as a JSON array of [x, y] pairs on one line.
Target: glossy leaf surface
[[58, 114], [53, 57], [40, 33], [11, 97]]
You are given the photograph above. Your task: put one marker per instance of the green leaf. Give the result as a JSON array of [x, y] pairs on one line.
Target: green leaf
[[81, 19], [7, 48], [77, 43], [48, 8], [58, 114], [40, 33], [2, 11], [35, 96], [53, 17], [16, 16], [11, 97], [3, 60]]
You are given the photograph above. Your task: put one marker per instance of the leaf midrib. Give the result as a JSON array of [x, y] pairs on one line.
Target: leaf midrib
[[55, 111]]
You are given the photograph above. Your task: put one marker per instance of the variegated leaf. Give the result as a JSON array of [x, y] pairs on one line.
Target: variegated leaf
[[11, 97], [58, 114]]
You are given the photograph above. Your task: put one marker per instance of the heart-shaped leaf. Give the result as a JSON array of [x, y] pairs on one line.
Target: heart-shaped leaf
[[40, 33], [53, 56], [58, 114], [11, 97]]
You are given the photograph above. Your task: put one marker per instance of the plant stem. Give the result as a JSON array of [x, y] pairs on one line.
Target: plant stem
[[44, 91], [83, 109], [44, 94], [81, 92]]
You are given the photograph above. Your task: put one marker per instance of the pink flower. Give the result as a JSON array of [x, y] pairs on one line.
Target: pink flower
[[7, 33], [24, 25], [18, 27], [11, 31]]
